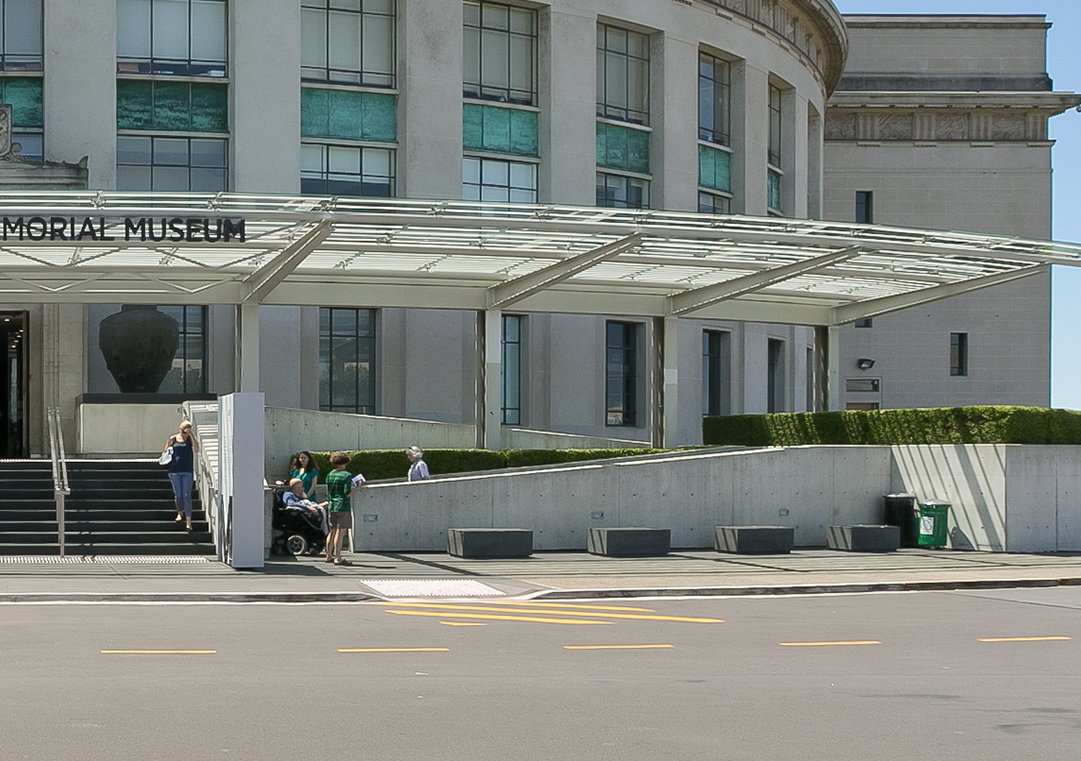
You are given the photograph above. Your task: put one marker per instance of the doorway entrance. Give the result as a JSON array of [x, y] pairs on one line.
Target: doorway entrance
[[13, 386]]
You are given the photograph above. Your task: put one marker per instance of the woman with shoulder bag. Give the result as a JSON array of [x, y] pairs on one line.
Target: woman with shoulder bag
[[182, 469]]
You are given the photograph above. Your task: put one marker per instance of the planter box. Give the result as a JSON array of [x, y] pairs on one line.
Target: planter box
[[864, 538], [755, 540], [630, 542], [490, 542]]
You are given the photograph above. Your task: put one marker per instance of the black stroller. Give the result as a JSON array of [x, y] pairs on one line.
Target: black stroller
[[295, 531]]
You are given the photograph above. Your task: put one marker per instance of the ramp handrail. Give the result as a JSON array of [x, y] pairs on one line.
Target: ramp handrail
[[61, 486]]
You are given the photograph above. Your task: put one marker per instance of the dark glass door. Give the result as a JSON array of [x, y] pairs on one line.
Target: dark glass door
[[13, 386]]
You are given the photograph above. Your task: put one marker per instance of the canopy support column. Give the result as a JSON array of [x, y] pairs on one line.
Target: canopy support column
[[827, 368], [490, 373], [247, 348]]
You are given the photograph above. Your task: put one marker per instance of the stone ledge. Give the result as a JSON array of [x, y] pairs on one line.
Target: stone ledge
[[755, 540], [490, 542], [861, 538], [629, 542]]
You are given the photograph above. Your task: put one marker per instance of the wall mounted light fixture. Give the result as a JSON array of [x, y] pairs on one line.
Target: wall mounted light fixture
[[865, 364]]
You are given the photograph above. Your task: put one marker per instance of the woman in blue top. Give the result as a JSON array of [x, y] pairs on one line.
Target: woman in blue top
[[303, 467], [182, 469]]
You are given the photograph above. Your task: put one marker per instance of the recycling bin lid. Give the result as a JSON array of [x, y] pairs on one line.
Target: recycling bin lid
[[936, 503]]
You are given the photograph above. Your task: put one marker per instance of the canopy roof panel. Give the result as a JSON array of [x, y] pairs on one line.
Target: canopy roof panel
[[230, 248]]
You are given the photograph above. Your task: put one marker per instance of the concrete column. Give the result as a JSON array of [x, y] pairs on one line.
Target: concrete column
[[80, 86], [750, 138], [493, 377], [247, 348], [568, 107], [430, 100], [673, 148], [264, 73], [794, 136], [63, 366], [814, 163], [671, 382], [241, 444]]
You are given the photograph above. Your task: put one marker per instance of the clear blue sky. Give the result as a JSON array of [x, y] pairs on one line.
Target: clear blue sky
[[1064, 66]]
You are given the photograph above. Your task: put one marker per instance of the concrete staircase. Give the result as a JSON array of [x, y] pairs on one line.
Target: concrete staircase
[[116, 507]]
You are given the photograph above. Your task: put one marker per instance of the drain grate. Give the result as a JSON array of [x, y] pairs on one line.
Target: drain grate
[[431, 588], [104, 559]]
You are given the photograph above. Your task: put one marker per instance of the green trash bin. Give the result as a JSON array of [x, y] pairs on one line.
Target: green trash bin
[[931, 524]]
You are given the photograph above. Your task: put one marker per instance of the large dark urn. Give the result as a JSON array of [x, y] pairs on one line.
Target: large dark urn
[[138, 344]]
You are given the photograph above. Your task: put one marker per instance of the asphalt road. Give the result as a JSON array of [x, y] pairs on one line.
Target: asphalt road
[[976, 675]]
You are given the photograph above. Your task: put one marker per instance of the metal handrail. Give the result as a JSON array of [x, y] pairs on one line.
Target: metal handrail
[[61, 486]]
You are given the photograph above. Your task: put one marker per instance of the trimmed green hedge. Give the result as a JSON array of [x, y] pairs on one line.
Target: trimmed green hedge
[[946, 425], [378, 464]]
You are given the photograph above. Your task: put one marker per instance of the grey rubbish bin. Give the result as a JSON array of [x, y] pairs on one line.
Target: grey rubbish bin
[[900, 510]]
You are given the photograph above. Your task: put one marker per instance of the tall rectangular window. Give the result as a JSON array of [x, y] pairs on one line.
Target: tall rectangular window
[[621, 373], [622, 75], [714, 99], [499, 53], [775, 376], [865, 207], [170, 163], [959, 354], [178, 37], [347, 42], [498, 181], [188, 373], [346, 170], [20, 35], [775, 174], [512, 369], [347, 368], [716, 372]]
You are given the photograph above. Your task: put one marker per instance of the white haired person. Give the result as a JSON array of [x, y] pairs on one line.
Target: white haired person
[[294, 497], [418, 469]]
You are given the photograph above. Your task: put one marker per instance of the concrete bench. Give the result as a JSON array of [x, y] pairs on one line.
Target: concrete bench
[[629, 542], [864, 538], [755, 540], [490, 542]]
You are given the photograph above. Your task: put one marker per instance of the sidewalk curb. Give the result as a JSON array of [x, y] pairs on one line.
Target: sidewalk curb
[[550, 594], [807, 589], [193, 597]]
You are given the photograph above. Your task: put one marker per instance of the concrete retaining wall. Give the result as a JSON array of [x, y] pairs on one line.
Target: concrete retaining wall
[[1004, 497]]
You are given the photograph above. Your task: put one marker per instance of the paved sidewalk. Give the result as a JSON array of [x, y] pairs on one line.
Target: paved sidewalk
[[545, 575]]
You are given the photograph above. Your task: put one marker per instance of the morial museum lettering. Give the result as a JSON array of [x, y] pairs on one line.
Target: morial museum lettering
[[154, 229]]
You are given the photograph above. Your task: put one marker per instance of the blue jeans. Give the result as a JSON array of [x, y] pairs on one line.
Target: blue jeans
[[182, 492]]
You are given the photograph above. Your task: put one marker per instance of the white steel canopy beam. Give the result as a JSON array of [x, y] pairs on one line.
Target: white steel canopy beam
[[699, 298], [503, 295], [874, 307], [269, 276]]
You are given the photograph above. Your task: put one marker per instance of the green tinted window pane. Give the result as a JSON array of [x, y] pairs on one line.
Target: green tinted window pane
[[209, 108], [314, 112], [379, 117], [345, 114], [774, 191], [714, 169], [496, 126], [523, 133], [472, 132], [172, 106], [134, 104], [24, 95], [622, 148], [638, 151]]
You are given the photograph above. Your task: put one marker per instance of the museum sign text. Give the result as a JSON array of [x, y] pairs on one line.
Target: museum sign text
[[154, 229]]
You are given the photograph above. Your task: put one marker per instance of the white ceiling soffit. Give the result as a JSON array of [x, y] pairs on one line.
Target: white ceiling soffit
[[89, 247]]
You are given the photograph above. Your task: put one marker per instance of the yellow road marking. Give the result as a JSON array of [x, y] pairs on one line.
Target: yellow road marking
[[460, 623], [393, 649], [159, 652], [615, 647], [582, 607], [496, 618], [494, 609], [1020, 639], [826, 644]]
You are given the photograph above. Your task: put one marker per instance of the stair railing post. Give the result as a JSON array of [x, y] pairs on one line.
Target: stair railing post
[[61, 488]]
